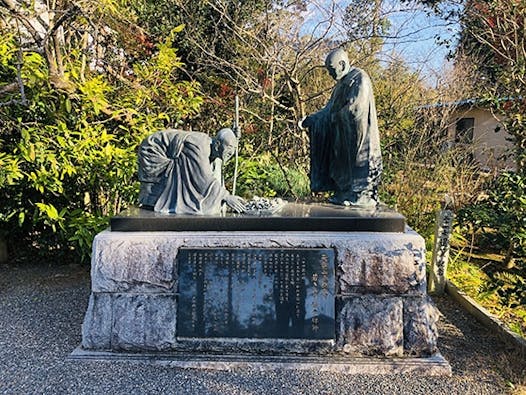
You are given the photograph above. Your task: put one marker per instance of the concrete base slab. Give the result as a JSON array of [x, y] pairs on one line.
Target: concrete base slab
[[434, 365]]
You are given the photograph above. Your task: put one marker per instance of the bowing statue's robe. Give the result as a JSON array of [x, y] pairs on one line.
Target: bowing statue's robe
[[176, 174], [344, 140]]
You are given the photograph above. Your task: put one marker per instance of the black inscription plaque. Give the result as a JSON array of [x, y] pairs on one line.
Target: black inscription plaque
[[256, 293]]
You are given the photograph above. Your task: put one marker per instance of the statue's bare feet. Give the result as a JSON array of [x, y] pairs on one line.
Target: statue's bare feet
[[364, 201], [341, 199], [352, 200]]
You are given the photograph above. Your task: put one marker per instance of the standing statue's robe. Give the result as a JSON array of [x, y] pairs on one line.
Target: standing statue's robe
[[344, 140], [176, 175]]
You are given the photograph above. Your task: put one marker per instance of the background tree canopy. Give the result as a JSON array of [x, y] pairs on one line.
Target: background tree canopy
[[82, 85]]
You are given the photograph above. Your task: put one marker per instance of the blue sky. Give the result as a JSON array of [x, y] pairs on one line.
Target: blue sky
[[413, 33]]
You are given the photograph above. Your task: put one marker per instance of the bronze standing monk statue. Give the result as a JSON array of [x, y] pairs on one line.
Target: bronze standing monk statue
[[344, 139], [178, 172]]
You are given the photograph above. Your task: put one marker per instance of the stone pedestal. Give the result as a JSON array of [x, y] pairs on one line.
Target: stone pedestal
[[380, 304], [339, 295]]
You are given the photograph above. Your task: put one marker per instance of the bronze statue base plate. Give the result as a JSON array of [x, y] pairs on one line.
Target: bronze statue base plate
[[292, 217]]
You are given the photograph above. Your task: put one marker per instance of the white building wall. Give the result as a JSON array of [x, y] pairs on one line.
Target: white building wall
[[489, 138]]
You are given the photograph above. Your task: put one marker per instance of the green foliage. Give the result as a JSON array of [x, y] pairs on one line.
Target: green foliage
[[501, 217], [498, 223], [496, 292], [511, 289], [470, 278], [492, 47], [513, 112], [213, 24], [263, 176], [68, 159]]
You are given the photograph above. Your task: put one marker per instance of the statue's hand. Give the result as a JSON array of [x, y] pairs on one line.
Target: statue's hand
[[236, 203], [306, 122]]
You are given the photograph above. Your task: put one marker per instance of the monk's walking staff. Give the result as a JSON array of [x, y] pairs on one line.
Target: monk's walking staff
[[237, 131]]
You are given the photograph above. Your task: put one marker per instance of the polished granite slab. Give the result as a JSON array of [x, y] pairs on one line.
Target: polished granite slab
[[292, 217], [253, 293]]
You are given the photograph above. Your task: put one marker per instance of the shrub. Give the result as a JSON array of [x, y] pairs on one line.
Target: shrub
[[498, 223], [68, 159], [263, 176]]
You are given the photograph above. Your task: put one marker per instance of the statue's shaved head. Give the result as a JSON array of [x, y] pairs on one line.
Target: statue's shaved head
[[224, 144], [337, 63], [227, 137]]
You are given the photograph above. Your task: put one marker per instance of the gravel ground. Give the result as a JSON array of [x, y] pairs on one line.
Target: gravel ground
[[41, 310]]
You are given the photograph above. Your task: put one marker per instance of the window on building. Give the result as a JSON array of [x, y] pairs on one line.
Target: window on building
[[464, 136], [464, 130]]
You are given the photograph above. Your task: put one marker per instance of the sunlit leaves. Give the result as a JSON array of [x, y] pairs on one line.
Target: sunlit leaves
[[95, 91], [7, 49], [68, 159], [34, 70]]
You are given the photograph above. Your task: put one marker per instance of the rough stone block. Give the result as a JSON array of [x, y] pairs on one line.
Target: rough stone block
[[371, 325], [383, 265], [420, 331], [133, 264], [144, 322], [96, 328], [380, 278], [367, 262]]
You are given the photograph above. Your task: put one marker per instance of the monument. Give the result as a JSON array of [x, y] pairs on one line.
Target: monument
[[338, 286], [344, 139], [179, 172]]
